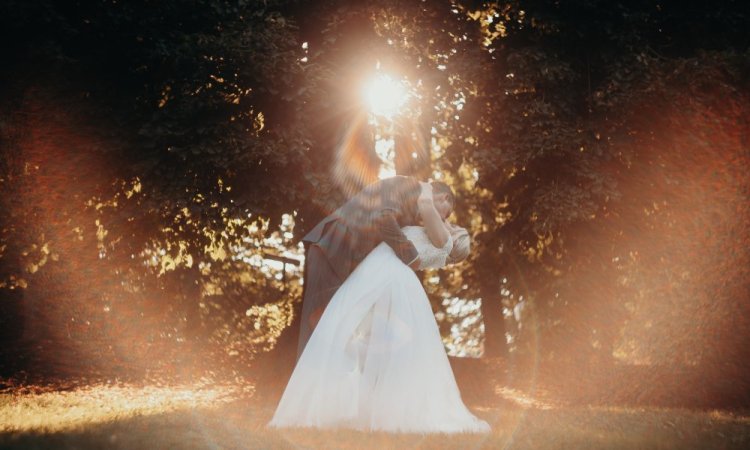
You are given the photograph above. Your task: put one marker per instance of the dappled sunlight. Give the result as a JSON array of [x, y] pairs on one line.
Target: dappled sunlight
[[717, 416], [66, 410], [466, 330], [386, 151], [521, 399], [728, 416]]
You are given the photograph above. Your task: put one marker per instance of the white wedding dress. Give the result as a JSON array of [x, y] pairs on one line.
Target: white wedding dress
[[375, 360]]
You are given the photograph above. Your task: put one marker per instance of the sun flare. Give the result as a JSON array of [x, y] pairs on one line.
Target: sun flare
[[385, 96]]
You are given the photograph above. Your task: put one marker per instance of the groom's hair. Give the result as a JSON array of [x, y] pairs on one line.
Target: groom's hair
[[438, 187]]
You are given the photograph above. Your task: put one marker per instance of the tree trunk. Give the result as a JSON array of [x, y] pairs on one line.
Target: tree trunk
[[271, 370], [412, 151], [495, 345]]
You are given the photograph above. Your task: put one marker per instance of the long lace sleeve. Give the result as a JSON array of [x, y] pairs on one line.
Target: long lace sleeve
[[430, 257]]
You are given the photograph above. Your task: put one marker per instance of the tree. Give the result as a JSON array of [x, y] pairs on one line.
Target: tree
[[181, 128]]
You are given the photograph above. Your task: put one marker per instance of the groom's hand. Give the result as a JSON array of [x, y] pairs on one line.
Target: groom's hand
[[414, 264]]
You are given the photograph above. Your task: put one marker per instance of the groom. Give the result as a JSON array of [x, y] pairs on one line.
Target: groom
[[341, 241]]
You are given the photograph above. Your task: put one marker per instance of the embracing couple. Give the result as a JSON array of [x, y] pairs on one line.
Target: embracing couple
[[370, 354]]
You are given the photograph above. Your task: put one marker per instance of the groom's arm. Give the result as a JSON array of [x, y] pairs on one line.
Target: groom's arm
[[393, 200]]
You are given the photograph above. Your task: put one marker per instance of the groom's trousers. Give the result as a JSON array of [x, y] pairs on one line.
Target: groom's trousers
[[320, 283]]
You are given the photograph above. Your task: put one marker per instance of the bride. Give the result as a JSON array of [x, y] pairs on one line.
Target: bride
[[376, 361]]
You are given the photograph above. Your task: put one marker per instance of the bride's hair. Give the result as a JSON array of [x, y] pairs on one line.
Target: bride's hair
[[461, 245]]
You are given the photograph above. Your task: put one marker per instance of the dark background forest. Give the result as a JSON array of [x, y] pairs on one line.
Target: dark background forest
[[160, 160]]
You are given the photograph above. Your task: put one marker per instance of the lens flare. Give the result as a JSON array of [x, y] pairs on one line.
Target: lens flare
[[385, 96]]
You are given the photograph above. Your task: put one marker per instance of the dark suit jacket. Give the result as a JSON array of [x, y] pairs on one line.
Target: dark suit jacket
[[373, 216]]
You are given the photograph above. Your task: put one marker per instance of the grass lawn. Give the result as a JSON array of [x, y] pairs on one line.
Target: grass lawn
[[232, 416]]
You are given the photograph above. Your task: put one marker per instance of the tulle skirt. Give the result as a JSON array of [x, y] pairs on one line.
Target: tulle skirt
[[376, 360]]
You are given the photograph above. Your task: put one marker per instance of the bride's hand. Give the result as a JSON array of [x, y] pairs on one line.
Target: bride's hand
[[425, 193], [431, 219]]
